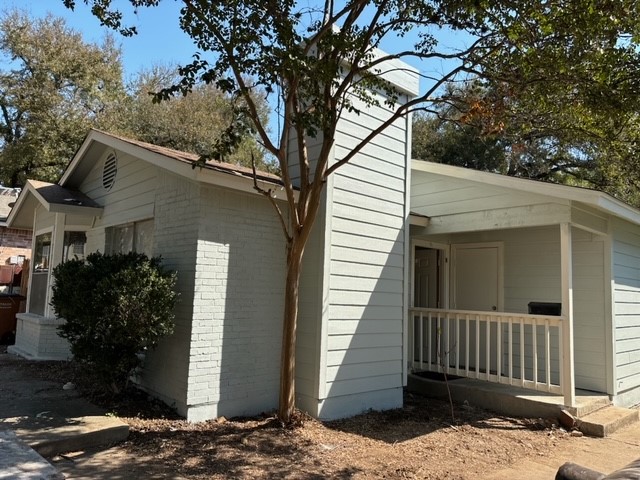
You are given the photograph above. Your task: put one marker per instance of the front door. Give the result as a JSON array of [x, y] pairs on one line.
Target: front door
[[427, 288], [477, 285], [476, 277]]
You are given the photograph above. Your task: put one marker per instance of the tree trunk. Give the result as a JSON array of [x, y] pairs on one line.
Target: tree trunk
[[287, 370]]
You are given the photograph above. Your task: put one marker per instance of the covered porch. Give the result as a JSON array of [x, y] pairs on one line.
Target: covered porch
[[510, 285]]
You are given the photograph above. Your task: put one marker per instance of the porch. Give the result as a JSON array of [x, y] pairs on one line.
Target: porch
[[484, 249], [511, 349]]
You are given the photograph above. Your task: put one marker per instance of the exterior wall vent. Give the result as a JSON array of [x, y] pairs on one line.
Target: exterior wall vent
[[110, 171]]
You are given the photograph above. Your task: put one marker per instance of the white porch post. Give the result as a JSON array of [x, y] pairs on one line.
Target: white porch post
[[567, 373], [55, 257]]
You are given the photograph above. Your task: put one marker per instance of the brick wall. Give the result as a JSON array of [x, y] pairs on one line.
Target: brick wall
[[37, 338], [175, 238], [14, 242], [229, 252], [238, 306]]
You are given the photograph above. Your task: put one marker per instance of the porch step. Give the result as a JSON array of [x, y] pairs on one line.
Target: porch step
[[588, 404], [605, 421]]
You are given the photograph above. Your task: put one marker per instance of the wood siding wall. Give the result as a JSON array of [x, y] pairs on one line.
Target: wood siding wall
[[351, 323], [364, 328], [626, 304]]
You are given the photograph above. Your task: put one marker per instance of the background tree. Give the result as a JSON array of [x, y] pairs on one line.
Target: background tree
[[481, 129], [53, 88], [315, 58], [192, 123]]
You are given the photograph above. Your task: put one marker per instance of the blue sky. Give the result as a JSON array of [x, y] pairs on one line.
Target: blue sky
[[160, 40]]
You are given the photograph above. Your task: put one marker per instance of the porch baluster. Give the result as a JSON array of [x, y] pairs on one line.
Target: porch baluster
[[510, 351], [477, 346], [534, 329], [466, 344], [499, 349], [547, 345], [421, 341], [457, 324], [522, 351], [488, 346]]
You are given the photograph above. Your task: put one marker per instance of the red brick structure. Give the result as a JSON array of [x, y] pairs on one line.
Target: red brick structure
[[14, 243]]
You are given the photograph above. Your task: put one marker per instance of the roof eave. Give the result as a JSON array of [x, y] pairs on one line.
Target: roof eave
[[600, 200]]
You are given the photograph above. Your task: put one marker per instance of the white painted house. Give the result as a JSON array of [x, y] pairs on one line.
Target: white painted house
[[225, 242], [411, 266]]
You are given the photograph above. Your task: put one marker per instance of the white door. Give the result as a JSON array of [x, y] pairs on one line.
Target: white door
[[427, 288], [476, 277], [476, 285]]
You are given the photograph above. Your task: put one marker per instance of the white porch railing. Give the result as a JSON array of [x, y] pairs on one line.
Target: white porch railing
[[510, 348]]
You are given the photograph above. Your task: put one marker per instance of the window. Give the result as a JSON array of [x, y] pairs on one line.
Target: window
[[132, 237], [41, 262], [42, 253], [73, 248]]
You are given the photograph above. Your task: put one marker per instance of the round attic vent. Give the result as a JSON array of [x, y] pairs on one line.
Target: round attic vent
[[109, 172]]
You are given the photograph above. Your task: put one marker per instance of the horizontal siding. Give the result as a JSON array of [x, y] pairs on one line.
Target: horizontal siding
[[436, 195], [367, 256], [372, 369], [626, 304], [132, 196]]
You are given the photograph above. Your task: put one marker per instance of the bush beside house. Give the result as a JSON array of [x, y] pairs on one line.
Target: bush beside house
[[115, 307]]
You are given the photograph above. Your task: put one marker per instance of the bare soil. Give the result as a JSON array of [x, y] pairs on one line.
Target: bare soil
[[420, 440]]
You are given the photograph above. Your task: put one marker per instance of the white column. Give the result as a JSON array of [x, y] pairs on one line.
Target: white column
[[567, 372], [55, 257]]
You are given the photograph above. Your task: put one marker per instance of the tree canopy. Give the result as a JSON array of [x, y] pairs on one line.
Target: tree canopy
[[314, 58], [53, 88], [469, 131], [192, 123]]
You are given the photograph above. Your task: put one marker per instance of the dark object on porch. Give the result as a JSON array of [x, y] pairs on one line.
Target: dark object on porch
[[9, 306], [436, 376], [545, 308], [571, 471]]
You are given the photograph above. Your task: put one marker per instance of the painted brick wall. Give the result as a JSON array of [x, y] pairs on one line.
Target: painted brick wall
[[176, 228], [37, 338], [239, 282]]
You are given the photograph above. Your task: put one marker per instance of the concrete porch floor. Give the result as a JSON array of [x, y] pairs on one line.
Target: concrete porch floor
[[519, 402]]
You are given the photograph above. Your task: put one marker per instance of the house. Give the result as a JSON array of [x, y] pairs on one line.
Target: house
[[226, 243], [411, 266], [524, 283]]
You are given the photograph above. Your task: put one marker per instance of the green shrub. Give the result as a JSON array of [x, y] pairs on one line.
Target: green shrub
[[115, 307]]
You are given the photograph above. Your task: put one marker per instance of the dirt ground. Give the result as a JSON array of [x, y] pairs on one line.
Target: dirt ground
[[420, 440]]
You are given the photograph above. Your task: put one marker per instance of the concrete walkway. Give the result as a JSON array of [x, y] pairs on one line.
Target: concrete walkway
[[601, 454], [47, 418]]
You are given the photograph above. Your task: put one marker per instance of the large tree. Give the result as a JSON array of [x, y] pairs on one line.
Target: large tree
[[314, 57], [53, 88], [482, 129], [194, 123]]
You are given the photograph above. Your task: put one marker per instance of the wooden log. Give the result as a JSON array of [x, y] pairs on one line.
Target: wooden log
[[571, 471]]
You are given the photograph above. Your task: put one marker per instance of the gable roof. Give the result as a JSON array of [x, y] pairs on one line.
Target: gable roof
[[182, 163], [594, 198], [54, 198]]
